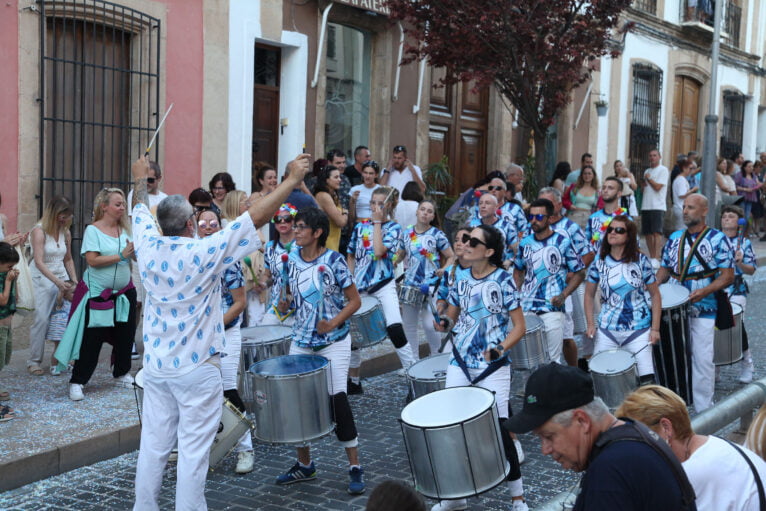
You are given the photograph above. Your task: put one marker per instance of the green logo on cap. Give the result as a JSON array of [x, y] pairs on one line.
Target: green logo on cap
[[531, 399]]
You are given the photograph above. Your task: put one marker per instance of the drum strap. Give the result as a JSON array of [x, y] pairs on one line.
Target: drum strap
[[683, 262], [491, 368], [758, 482], [632, 336]]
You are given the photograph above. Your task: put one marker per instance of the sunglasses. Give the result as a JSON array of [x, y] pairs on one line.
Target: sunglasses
[[283, 220], [199, 209], [495, 188], [618, 230], [371, 163], [539, 218], [151, 180], [400, 149], [204, 225], [475, 242]]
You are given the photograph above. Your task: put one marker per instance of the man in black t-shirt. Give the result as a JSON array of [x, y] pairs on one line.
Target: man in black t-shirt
[[625, 466]]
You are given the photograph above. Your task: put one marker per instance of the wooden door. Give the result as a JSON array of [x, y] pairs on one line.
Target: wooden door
[[685, 115], [458, 129], [266, 104]]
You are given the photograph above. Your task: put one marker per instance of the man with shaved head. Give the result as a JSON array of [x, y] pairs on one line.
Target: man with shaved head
[[700, 259], [489, 215], [510, 211]]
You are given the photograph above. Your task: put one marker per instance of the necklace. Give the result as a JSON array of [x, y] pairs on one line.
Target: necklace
[[598, 234], [418, 246], [366, 243]]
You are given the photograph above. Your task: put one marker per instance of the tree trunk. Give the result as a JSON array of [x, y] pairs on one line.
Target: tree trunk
[[541, 177]]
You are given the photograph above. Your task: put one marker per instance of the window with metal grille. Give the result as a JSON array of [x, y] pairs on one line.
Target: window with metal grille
[[733, 20], [99, 81], [645, 122], [649, 6], [733, 120]]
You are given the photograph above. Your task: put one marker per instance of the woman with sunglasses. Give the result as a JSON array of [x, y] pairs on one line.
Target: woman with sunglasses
[[359, 204], [276, 266], [234, 303], [326, 194], [488, 321], [631, 305], [452, 272], [427, 253], [372, 251]]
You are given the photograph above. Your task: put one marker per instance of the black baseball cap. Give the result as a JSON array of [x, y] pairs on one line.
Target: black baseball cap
[[551, 389]]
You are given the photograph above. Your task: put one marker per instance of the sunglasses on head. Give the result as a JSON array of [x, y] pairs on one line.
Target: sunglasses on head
[[539, 218], [151, 180], [283, 220], [618, 230], [495, 188]]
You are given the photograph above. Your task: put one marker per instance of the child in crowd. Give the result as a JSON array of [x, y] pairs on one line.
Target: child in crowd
[[58, 321], [8, 259]]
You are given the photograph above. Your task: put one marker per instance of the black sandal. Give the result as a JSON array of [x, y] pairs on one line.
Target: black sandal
[[6, 413]]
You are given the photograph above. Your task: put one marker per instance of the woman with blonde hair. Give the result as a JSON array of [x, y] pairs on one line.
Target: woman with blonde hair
[[51, 268], [105, 300], [234, 204], [723, 475], [755, 440]]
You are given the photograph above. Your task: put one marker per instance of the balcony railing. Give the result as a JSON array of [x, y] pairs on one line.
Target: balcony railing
[[701, 13], [649, 6]]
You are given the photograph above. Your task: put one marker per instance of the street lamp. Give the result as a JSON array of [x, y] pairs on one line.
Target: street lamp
[[711, 120]]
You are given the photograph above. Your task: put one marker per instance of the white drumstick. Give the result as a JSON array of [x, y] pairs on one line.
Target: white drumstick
[[157, 131]]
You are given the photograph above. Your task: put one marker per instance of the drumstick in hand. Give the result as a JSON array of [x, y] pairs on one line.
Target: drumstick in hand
[[283, 291], [320, 316], [439, 320]]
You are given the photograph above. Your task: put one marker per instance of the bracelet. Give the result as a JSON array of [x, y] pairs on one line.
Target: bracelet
[[122, 257]]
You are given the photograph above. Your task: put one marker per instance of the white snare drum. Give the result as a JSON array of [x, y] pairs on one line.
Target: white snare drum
[[260, 343], [532, 350], [672, 355], [615, 375], [231, 428], [368, 324], [728, 343], [456, 430], [428, 375], [411, 295]]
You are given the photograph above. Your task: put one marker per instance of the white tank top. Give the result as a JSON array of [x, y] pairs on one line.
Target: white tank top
[[53, 254]]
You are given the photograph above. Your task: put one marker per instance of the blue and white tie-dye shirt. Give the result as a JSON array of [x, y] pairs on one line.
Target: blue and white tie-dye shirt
[[233, 278], [423, 254], [576, 235], [449, 277], [183, 318], [748, 257], [318, 294], [368, 269], [545, 264], [483, 321], [512, 213], [715, 250], [595, 228], [272, 261], [508, 231], [624, 298]]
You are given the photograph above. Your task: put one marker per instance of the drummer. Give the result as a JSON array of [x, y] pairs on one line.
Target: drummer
[[744, 263], [321, 328], [488, 320], [452, 272], [427, 253], [700, 259], [372, 252], [276, 267], [624, 276], [550, 270], [490, 214]]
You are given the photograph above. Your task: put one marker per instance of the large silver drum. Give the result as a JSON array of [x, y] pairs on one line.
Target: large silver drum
[[453, 442], [428, 375], [531, 350], [614, 375], [672, 355], [578, 310], [728, 343], [260, 343], [292, 402], [368, 324]]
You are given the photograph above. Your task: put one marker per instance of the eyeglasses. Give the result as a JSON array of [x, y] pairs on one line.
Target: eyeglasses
[[495, 188], [218, 188], [539, 218], [151, 180], [283, 219], [300, 227], [204, 225], [475, 242], [618, 230]]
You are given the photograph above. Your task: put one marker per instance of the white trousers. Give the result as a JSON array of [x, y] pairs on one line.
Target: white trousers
[[644, 361], [255, 309], [338, 353], [498, 382], [46, 293], [703, 369], [411, 316], [229, 370], [554, 334], [187, 410], [271, 319]]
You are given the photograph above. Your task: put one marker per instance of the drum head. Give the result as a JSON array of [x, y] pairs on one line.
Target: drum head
[[368, 303], [139, 379], [288, 365], [673, 295], [429, 368], [265, 333], [447, 407], [533, 322], [611, 361]]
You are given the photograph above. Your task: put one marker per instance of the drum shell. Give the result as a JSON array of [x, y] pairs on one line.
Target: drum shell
[[411, 295], [292, 404], [368, 326], [260, 343], [578, 310], [422, 385], [532, 350], [728, 343], [468, 456], [233, 425], [613, 386], [672, 355]]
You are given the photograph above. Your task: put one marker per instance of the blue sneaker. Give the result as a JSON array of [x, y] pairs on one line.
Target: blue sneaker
[[297, 474], [356, 483]]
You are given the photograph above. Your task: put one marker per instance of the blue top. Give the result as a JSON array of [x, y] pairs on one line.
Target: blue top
[[484, 307], [546, 263], [625, 305], [714, 250], [595, 229], [318, 295], [508, 231], [748, 257], [272, 261], [576, 235], [449, 277], [370, 270], [233, 278], [423, 254]]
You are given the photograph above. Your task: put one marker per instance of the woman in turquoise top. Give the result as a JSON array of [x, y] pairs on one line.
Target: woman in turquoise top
[[106, 310], [584, 196]]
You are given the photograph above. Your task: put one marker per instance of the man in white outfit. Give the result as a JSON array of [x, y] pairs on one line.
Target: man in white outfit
[[183, 332]]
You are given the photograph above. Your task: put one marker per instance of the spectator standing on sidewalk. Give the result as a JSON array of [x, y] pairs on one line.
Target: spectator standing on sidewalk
[[653, 205], [401, 170]]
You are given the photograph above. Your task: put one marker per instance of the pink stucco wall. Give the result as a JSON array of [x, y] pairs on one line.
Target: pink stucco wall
[[9, 110]]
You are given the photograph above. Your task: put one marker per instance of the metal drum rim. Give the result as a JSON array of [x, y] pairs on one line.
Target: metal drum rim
[[293, 375], [451, 425]]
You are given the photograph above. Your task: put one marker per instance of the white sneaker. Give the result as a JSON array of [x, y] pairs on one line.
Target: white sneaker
[[245, 461], [126, 381], [746, 375], [448, 505], [75, 392], [519, 451], [173, 457], [519, 505]]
